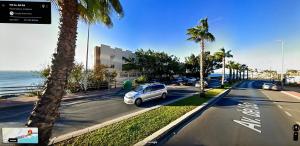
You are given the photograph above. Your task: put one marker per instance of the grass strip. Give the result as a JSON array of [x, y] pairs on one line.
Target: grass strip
[[135, 129]]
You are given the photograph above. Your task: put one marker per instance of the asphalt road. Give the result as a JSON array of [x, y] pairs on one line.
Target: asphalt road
[[86, 112], [247, 116]]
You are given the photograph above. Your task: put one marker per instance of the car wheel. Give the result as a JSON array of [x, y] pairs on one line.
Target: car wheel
[[138, 102], [163, 96]]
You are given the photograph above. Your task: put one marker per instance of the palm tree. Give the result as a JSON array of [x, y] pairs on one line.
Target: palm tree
[[238, 71], [46, 108], [243, 68], [251, 71], [247, 72], [222, 54], [200, 34], [230, 66]]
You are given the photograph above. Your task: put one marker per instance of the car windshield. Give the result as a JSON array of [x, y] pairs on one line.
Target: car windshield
[[139, 88]]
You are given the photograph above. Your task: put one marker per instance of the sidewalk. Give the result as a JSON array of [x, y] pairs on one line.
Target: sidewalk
[[25, 100], [292, 91]]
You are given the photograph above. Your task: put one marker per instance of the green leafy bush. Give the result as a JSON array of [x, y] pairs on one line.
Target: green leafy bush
[[141, 79]]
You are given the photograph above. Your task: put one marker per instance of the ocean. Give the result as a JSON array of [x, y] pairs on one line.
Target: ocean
[[13, 79]]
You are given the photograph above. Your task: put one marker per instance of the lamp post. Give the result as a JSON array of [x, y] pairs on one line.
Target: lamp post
[[87, 58], [282, 61]]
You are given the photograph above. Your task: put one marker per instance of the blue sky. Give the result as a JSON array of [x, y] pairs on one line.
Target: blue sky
[[249, 28]]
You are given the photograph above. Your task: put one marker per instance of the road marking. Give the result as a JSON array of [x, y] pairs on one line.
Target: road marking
[[72, 103], [288, 113], [298, 123], [279, 106], [252, 110], [249, 123]]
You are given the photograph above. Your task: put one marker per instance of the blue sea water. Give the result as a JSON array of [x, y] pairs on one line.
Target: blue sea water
[[20, 78]]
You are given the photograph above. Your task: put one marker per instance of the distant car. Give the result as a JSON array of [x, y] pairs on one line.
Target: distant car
[[146, 92], [271, 86], [276, 87], [197, 85], [177, 81], [267, 86], [226, 81], [191, 81]]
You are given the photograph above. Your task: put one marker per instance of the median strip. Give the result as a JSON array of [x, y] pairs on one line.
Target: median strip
[[135, 129]]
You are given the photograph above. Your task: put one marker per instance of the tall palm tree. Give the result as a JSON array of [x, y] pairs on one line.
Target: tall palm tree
[[238, 71], [243, 68], [251, 71], [200, 34], [222, 54], [247, 72], [230, 66], [45, 111]]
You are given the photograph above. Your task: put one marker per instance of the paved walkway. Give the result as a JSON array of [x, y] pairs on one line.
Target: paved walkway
[[292, 91], [24, 100]]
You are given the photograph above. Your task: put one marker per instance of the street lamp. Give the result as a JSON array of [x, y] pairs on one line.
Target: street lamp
[[282, 62], [87, 58]]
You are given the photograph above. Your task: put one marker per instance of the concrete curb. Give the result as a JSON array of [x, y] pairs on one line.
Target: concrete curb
[[97, 126], [152, 139], [289, 94]]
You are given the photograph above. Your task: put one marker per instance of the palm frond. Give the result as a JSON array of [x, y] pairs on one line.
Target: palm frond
[[210, 37], [116, 5]]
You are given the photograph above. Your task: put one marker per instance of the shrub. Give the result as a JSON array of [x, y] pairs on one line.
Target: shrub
[[141, 79]]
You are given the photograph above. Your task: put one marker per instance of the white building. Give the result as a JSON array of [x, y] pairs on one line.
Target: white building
[[113, 59]]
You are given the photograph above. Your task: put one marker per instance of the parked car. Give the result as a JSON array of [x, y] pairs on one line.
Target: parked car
[[177, 81], [191, 81], [271, 86], [267, 86], [276, 87], [146, 92], [198, 84]]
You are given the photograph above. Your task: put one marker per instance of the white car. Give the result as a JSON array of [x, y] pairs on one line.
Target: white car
[[267, 86], [146, 92], [271, 86]]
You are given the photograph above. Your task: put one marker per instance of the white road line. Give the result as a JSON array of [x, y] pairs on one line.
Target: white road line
[[279, 106], [288, 113]]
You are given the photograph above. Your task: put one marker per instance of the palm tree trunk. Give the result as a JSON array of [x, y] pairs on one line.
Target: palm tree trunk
[[243, 74], [247, 74], [46, 109], [201, 69], [223, 72], [233, 74], [230, 73], [240, 75]]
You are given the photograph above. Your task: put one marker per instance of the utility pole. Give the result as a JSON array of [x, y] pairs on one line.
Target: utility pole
[[87, 58], [282, 62]]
